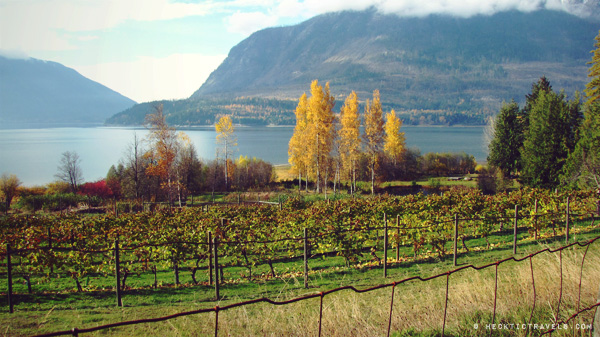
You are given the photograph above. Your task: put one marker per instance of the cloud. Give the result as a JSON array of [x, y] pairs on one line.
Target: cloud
[[46, 24], [147, 79], [248, 23], [14, 54]]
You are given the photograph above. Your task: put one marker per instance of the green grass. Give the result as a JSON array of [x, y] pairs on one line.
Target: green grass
[[47, 310]]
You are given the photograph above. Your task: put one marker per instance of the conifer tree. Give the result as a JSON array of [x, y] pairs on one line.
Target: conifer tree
[[553, 128], [592, 89], [582, 169], [505, 147]]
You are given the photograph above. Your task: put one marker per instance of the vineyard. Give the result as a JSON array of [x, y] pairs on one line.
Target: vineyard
[[248, 243]]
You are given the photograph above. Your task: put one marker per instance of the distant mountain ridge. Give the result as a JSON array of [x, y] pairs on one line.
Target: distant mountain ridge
[[437, 69], [42, 92]]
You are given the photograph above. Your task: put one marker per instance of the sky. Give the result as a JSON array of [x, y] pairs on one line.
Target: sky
[[165, 49]]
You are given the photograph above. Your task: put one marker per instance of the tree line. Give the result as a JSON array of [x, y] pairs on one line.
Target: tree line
[[552, 141], [163, 166], [330, 148]]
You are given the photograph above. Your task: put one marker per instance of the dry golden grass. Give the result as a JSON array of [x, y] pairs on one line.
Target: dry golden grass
[[418, 307]]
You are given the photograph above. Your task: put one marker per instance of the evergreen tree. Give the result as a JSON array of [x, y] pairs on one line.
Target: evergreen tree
[[592, 89], [583, 165], [553, 125], [582, 169], [505, 147]]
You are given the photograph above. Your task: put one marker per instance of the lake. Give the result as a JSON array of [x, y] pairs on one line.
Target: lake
[[34, 154]]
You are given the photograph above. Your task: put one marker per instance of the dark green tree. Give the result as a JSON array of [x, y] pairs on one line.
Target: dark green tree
[[505, 147], [582, 169], [592, 89], [551, 136]]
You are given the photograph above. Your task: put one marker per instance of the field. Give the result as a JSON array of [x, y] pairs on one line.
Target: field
[[420, 308]]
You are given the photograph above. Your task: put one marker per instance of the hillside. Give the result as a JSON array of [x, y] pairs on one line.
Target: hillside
[[40, 92], [433, 70]]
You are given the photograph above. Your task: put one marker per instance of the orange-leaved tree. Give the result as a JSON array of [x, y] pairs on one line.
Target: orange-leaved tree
[[162, 151]]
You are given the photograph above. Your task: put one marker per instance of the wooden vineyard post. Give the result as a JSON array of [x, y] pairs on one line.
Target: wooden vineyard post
[[535, 220], [50, 248], [515, 231], [210, 262], [455, 237], [118, 274], [215, 243], [9, 271], [305, 260], [567, 223], [398, 237], [385, 244], [596, 327]]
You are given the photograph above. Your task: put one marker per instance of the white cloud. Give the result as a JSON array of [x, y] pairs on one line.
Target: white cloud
[[147, 79], [14, 54], [42, 24], [248, 23]]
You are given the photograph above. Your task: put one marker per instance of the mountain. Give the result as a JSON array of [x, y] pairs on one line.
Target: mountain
[[41, 92], [436, 69]]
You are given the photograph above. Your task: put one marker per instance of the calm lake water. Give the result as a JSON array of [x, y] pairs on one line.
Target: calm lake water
[[34, 154]]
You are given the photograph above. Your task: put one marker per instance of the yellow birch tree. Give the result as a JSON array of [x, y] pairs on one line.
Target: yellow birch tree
[[321, 130], [374, 133], [297, 154], [394, 141], [350, 137], [226, 140]]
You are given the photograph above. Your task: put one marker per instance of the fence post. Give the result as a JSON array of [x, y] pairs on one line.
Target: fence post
[[50, 247], [305, 260], [535, 219], [215, 244], [596, 327], [515, 231], [385, 244], [118, 273], [210, 257], [567, 223], [455, 237], [9, 271], [398, 237]]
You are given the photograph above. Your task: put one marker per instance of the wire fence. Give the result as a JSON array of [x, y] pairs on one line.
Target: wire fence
[[527, 326]]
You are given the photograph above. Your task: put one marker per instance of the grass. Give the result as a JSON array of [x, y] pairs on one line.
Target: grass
[[417, 309]]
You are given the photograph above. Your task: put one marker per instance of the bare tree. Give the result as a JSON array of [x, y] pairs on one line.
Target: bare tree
[[135, 165], [69, 170]]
